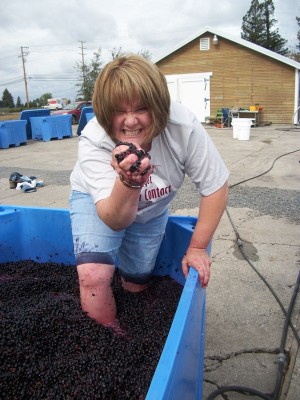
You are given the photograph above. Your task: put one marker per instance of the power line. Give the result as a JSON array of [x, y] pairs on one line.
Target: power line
[[11, 82], [55, 78], [31, 78]]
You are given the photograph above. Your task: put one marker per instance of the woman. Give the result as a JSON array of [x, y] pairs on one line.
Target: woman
[[132, 160]]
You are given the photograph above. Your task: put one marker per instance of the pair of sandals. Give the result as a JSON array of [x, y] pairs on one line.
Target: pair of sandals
[[27, 184]]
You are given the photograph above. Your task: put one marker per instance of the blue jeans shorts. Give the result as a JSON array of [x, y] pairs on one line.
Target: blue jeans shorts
[[133, 250]]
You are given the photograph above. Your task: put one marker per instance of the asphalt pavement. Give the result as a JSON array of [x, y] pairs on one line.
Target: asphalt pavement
[[252, 278]]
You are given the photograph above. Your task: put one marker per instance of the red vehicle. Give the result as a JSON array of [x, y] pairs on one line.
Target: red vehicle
[[74, 109]]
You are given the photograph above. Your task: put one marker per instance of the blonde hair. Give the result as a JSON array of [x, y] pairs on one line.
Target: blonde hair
[[126, 79]]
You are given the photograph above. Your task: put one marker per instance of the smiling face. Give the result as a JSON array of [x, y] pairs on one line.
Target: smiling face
[[131, 100], [132, 123]]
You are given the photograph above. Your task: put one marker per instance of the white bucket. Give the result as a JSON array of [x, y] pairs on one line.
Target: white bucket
[[244, 133], [234, 124], [241, 128]]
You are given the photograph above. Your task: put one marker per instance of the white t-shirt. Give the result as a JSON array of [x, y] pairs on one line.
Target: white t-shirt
[[182, 148]]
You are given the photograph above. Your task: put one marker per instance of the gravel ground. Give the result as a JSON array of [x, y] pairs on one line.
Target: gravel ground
[[275, 202]]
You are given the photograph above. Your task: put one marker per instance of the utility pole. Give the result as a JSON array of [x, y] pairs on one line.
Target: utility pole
[[83, 70], [25, 53]]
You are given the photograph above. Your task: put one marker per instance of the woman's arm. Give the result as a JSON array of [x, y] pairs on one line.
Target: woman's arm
[[210, 212], [119, 209]]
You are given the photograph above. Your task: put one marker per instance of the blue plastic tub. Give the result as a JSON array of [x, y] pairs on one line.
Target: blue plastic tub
[[12, 133], [89, 116], [27, 114], [52, 127], [44, 235], [84, 118]]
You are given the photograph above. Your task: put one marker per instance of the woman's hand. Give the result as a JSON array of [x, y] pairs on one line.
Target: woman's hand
[[133, 167], [199, 259], [210, 212], [132, 162]]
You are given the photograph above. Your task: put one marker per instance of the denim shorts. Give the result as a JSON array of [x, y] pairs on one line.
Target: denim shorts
[[133, 250]]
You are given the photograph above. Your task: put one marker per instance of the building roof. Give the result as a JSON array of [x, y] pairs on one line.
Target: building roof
[[234, 39]]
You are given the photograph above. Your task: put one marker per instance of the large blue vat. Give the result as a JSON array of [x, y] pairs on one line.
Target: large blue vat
[[27, 114], [44, 235], [12, 133], [84, 118], [52, 127]]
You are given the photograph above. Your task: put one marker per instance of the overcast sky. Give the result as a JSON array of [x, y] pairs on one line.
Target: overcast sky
[[51, 31]]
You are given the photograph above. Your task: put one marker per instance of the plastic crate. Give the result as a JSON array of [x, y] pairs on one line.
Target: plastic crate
[[44, 235], [83, 118], [12, 133], [89, 116], [27, 114], [52, 127]]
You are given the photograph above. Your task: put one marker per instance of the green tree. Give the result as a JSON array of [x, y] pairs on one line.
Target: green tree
[[43, 99], [145, 53], [7, 99], [89, 73], [294, 52], [33, 103], [115, 53], [259, 27], [118, 52], [252, 26], [18, 103]]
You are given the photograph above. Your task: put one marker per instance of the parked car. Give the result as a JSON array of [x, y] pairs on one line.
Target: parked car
[[74, 109]]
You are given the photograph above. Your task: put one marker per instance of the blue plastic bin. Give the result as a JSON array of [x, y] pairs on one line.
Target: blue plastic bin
[[89, 116], [12, 133], [27, 114], [83, 118], [44, 235], [52, 127]]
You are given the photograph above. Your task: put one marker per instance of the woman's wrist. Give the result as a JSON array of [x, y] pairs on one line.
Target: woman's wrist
[[130, 185]]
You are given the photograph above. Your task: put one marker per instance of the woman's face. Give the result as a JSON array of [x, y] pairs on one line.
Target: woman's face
[[132, 123]]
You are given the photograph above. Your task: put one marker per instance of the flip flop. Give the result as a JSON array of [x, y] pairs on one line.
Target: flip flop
[[36, 183], [27, 188], [40, 184]]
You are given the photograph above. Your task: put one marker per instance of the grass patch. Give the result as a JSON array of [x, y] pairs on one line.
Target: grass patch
[[9, 116]]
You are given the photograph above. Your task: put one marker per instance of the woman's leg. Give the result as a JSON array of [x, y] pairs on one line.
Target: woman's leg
[[95, 248], [96, 295], [133, 287]]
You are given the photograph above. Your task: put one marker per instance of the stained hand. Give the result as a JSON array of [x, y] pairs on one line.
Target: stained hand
[[132, 162], [199, 259]]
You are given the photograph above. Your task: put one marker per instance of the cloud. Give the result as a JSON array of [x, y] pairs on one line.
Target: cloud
[[52, 29]]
